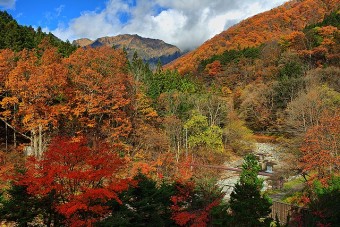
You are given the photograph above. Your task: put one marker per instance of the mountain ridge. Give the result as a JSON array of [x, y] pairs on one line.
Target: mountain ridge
[[267, 26], [150, 50]]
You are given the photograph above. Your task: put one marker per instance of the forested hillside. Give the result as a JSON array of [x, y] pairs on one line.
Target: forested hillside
[[91, 138], [17, 37], [268, 26]]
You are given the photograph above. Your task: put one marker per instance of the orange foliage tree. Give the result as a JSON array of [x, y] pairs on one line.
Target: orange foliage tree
[[214, 68], [320, 151], [45, 95], [32, 87], [97, 98]]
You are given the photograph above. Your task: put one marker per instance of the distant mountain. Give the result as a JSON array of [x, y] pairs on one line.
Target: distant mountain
[[150, 50], [82, 42], [269, 26]]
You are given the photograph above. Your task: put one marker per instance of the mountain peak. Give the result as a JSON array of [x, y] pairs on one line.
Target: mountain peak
[[82, 42], [148, 49]]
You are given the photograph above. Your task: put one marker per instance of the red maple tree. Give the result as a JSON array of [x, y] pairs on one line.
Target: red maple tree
[[80, 176]]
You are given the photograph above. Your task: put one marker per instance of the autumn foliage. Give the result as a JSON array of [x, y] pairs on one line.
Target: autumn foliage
[[90, 120], [188, 209], [80, 178], [264, 27], [320, 158], [45, 94]]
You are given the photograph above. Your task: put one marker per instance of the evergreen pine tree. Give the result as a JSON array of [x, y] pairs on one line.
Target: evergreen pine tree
[[249, 207]]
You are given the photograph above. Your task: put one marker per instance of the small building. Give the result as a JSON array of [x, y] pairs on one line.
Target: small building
[[269, 166]]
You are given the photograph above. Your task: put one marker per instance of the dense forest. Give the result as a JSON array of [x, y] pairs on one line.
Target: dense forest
[[89, 138]]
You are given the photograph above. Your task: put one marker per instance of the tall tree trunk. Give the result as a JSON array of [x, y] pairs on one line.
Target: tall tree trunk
[[35, 143], [14, 133], [6, 129], [14, 139], [40, 142], [177, 153]]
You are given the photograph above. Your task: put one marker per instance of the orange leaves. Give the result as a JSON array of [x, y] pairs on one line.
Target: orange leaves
[[98, 91], [327, 31], [87, 92], [264, 27], [142, 167], [27, 119], [214, 68], [33, 85], [321, 147], [295, 39], [9, 102]]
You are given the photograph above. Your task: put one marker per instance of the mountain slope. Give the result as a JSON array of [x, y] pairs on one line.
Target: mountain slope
[[149, 50], [271, 25]]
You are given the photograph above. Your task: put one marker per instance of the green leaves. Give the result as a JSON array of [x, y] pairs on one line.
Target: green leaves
[[247, 203], [18, 37], [250, 169], [144, 204], [201, 134], [168, 81]]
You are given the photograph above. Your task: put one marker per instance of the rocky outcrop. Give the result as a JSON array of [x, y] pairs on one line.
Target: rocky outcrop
[[82, 42]]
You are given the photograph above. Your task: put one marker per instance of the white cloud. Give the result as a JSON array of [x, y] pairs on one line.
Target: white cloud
[[185, 24], [59, 10], [7, 4]]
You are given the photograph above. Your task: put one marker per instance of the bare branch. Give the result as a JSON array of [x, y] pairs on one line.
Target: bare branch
[[27, 137]]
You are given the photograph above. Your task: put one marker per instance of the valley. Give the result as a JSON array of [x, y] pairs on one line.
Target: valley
[[126, 130]]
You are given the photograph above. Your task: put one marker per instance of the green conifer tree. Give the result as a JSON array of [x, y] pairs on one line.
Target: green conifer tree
[[249, 206]]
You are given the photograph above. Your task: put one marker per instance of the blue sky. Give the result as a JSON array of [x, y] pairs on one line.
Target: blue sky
[[185, 23]]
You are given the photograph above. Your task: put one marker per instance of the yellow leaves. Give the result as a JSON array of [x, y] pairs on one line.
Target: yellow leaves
[[27, 119], [151, 113], [6, 113], [76, 139], [144, 168], [327, 30], [226, 91], [91, 125], [159, 162], [9, 101], [143, 105]]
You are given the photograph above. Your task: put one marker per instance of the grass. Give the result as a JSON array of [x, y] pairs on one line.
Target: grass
[[290, 192], [293, 184]]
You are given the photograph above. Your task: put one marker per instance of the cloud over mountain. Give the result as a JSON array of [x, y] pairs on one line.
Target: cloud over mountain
[[185, 24]]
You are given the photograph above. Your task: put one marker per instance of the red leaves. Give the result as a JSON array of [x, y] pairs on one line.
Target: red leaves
[[81, 177], [184, 211], [183, 218]]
